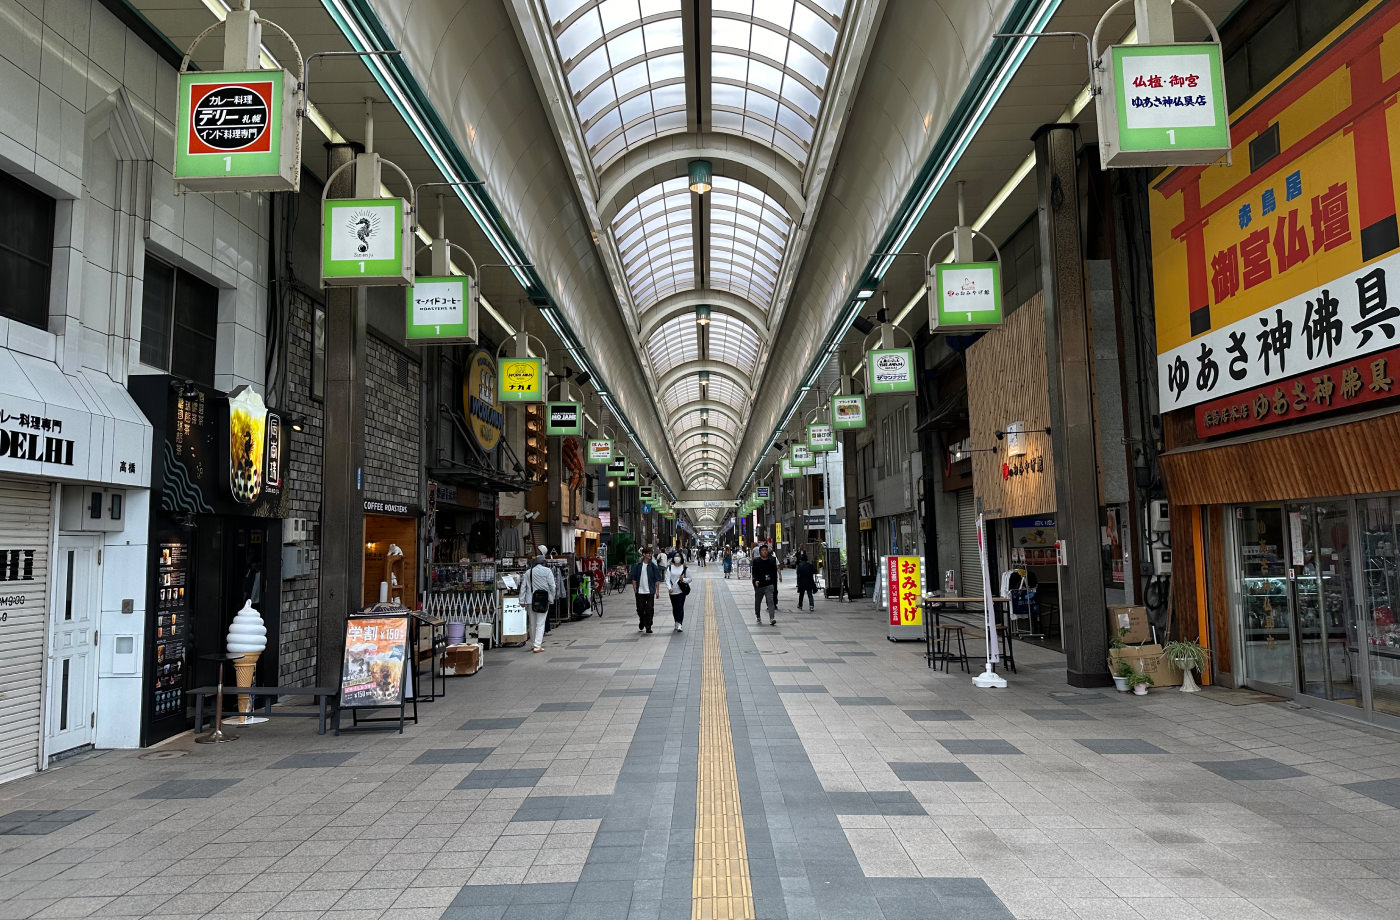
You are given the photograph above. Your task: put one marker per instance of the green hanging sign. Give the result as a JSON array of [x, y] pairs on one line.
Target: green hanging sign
[[629, 478], [821, 437], [801, 456], [789, 471], [966, 297], [366, 242], [600, 451], [890, 370], [1163, 105], [847, 412], [563, 418], [441, 310], [521, 380], [236, 131]]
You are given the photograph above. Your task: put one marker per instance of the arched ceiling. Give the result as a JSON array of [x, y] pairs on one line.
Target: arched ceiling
[[652, 85]]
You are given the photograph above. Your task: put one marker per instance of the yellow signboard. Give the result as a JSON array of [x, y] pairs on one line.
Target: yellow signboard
[[1276, 265], [778, 532], [905, 580], [521, 380]]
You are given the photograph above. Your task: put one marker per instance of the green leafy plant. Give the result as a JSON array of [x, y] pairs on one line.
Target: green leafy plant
[[1139, 678], [1116, 640], [1186, 651], [1126, 671]]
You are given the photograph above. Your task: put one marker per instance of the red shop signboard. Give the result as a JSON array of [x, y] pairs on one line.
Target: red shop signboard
[[1337, 388]]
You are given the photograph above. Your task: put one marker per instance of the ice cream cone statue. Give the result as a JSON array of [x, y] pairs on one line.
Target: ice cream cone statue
[[247, 636]]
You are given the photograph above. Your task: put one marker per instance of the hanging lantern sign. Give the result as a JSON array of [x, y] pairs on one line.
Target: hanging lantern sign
[[600, 452], [801, 456], [821, 438], [890, 370], [237, 131], [847, 412], [564, 419], [964, 297], [441, 310], [522, 380], [366, 242]]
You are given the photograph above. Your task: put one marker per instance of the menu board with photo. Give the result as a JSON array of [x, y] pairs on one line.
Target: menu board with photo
[[172, 629], [372, 673]]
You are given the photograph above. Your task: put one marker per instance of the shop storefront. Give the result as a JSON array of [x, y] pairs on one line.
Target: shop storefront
[[1277, 355], [215, 536], [391, 553]]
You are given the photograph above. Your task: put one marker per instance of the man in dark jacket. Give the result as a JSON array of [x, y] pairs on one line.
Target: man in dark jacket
[[765, 585], [645, 577], [806, 582]]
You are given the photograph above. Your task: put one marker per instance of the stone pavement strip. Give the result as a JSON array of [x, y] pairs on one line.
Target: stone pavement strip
[[566, 786]]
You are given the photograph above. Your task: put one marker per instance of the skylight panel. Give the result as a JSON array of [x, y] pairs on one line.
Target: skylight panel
[[749, 232], [654, 240]]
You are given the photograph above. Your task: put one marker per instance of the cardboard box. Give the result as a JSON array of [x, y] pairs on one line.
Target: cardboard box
[[1150, 660], [459, 660], [1134, 618]]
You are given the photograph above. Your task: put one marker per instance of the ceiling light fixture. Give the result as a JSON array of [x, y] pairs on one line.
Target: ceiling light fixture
[[701, 174], [702, 315]]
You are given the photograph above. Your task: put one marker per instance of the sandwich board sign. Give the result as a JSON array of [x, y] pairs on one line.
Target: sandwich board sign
[[366, 242], [237, 131], [441, 310]]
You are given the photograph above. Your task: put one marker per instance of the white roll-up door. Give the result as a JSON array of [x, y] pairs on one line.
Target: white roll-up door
[[969, 563], [25, 523]]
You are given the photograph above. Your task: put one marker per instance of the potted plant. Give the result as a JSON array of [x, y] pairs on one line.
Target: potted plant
[[1187, 654], [1120, 677], [1140, 682]]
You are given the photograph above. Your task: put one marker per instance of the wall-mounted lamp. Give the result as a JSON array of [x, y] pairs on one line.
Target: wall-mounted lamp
[[1002, 434], [701, 176]]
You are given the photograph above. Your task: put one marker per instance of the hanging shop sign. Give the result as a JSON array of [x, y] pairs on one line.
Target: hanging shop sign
[[848, 412], [272, 456], [1163, 105], [564, 418], [789, 471], [1263, 275], [247, 433], [964, 296], [801, 456], [890, 370], [480, 400], [762, 494], [821, 438], [237, 131], [618, 465], [522, 380], [600, 451], [1344, 386], [905, 584], [629, 478], [645, 493], [441, 310], [366, 242], [372, 673]]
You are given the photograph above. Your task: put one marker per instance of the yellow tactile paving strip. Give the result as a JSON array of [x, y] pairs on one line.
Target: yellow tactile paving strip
[[722, 889]]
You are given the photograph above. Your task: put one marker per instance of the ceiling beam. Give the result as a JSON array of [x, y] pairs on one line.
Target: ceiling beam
[[718, 408], [685, 302], [716, 368]]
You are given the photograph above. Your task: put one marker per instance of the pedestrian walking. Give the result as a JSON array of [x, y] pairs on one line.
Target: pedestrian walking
[[678, 587], [727, 560], [765, 585], [538, 589], [806, 582], [646, 576]]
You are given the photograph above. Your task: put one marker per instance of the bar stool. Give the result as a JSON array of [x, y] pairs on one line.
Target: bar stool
[[1007, 654], [947, 632], [218, 735]]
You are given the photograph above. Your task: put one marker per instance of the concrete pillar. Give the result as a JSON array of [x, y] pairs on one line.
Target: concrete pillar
[[342, 455], [1070, 359]]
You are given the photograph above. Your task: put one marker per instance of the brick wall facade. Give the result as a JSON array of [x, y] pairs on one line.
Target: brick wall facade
[[393, 388]]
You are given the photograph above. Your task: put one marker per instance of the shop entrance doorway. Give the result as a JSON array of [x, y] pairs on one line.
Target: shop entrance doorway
[[72, 655], [1316, 615]]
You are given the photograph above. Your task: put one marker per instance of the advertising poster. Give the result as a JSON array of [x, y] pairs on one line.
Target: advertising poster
[[905, 584], [375, 651], [247, 431]]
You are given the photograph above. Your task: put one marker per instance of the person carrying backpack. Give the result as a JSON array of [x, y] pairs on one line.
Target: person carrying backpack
[[537, 589]]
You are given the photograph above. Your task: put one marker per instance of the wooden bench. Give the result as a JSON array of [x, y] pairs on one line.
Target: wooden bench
[[325, 702]]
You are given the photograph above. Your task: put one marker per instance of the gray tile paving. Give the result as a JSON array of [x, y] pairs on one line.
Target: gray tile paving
[[863, 700], [627, 691], [498, 724], [453, 755], [938, 715], [188, 789], [979, 746], [31, 822], [564, 659], [1120, 746], [574, 706], [1382, 790], [824, 661], [1059, 715], [313, 761], [800, 688], [950, 772], [1253, 768], [788, 669], [601, 664], [501, 779]]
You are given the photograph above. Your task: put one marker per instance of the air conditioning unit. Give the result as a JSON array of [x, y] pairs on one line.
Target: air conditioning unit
[[1159, 516]]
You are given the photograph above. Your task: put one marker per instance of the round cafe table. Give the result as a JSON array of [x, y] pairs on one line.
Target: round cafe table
[[218, 735]]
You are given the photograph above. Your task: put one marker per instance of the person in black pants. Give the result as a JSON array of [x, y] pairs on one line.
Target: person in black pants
[[645, 579], [806, 582], [765, 585]]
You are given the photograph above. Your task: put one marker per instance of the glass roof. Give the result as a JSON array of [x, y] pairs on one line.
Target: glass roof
[[716, 422], [770, 61], [625, 63], [749, 231], [719, 389], [654, 239], [719, 445], [732, 341], [675, 343]]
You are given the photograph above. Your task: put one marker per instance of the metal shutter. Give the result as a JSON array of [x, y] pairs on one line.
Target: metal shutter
[[25, 526], [969, 564]]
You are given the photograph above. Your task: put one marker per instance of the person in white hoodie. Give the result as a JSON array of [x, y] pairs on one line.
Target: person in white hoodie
[[677, 575], [537, 591]]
